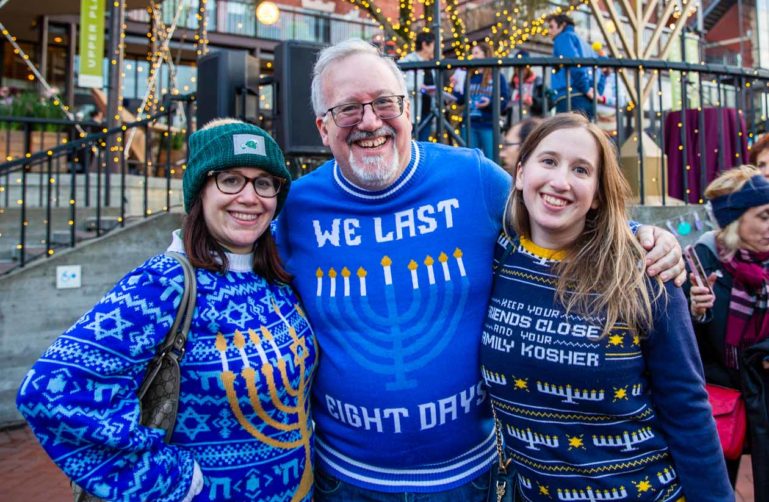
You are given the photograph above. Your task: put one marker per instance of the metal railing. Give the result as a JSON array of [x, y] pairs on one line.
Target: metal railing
[[699, 88], [48, 185]]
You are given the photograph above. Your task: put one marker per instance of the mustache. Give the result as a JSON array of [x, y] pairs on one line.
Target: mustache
[[358, 135]]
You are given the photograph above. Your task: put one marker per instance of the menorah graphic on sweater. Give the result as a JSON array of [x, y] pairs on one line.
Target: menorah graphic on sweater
[[296, 393], [388, 339]]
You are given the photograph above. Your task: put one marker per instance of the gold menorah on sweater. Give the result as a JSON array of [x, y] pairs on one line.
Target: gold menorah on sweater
[[298, 349]]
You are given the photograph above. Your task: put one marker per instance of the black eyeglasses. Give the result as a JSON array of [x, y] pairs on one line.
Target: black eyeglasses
[[232, 183], [350, 114]]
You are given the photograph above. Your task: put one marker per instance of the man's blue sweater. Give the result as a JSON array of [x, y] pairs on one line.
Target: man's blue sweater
[[395, 284]]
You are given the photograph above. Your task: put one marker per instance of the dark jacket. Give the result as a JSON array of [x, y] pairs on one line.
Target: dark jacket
[[751, 379]]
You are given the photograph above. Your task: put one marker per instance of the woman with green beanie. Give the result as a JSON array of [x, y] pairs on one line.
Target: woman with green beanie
[[242, 427]]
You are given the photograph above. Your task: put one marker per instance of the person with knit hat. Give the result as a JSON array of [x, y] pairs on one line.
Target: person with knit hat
[[242, 429], [732, 323]]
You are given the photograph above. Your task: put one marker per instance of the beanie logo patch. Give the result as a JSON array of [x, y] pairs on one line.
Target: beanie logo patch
[[248, 144]]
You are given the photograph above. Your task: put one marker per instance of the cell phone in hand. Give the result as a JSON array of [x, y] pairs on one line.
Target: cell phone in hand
[[695, 267]]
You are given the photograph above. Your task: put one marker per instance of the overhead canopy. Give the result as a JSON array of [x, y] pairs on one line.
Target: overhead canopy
[[20, 15]]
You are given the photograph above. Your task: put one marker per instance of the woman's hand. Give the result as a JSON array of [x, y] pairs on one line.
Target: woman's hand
[[700, 297]]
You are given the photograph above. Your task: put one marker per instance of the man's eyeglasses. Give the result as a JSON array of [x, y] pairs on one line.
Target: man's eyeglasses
[[232, 183], [351, 114]]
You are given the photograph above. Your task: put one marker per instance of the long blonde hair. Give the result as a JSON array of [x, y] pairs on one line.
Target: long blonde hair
[[603, 271], [728, 182]]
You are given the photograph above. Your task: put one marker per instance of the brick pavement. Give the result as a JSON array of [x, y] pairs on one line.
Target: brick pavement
[[28, 475]]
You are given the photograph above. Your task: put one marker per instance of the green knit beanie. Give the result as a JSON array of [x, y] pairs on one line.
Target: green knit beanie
[[230, 145]]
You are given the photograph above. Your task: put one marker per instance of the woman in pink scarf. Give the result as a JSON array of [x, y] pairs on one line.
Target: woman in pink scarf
[[732, 325]]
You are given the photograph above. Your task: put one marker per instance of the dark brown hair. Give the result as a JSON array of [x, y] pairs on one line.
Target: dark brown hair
[[204, 252], [560, 19]]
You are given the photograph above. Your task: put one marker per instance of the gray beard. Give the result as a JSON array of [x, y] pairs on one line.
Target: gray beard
[[372, 172]]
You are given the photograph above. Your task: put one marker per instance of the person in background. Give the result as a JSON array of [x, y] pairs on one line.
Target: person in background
[[248, 361], [526, 88], [759, 155], [481, 109], [421, 94], [390, 245], [567, 44], [591, 367], [513, 139], [732, 327]]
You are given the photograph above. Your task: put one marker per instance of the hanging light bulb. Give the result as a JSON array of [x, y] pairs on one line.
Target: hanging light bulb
[[267, 13]]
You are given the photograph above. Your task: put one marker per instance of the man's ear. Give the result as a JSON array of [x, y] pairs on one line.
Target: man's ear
[[320, 123]]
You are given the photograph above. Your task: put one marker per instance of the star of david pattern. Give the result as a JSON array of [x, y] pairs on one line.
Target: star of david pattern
[[80, 396]]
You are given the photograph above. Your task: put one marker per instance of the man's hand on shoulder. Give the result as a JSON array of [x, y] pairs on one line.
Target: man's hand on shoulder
[[664, 256]]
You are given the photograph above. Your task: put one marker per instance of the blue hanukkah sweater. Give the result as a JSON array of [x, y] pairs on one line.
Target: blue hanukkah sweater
[[395, 284], [623, 417], [243, 415]]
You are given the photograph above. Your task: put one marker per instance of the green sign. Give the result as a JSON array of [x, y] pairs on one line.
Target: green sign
[[91, 43]]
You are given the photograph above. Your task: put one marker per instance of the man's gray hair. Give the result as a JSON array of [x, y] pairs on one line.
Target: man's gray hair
[[342, 50]]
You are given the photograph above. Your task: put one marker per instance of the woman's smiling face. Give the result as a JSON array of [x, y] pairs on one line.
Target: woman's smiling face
[[237, 221], [559, 183]]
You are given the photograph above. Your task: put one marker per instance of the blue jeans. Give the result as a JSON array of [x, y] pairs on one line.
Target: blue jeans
[[331, 489], [579, 104], [482, 136]]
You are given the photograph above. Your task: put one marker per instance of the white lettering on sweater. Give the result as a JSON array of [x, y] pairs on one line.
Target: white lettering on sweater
[[398, 226], [393, 420]]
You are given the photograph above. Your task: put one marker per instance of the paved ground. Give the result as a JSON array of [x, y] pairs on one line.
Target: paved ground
[[28, 475]]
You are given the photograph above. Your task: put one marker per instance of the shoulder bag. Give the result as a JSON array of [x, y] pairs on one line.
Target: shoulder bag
[[731, 421], [159, 391]]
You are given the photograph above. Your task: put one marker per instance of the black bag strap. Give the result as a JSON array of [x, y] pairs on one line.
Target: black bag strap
[[176, 338]]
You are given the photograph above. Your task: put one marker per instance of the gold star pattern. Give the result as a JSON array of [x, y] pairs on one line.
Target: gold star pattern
[[643, 486], [575, 442], [620, 393], [636, 340], [521, 384], [544, 490], [615, 340]]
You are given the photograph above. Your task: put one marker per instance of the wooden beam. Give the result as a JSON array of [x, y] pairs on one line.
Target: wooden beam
[[613, 49], [629, 11], [658, 30], [649, 11], [629, 50]]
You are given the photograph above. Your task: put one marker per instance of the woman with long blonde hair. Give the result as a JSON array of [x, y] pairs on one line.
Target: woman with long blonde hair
[[732, 324], [591, 370]]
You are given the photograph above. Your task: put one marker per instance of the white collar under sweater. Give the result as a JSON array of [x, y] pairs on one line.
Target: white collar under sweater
[[237, 262]]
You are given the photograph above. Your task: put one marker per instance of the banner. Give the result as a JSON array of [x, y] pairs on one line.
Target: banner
[[91, 68]]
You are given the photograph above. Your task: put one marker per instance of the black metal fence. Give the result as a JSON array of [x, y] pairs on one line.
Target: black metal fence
[[702, 93], [60, 169]]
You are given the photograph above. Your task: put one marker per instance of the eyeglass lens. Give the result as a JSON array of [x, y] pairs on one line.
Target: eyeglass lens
[[233, 183], [350, 114]]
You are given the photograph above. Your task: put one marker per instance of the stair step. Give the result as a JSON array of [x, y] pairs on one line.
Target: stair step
[[7, 266], [62, 237], [105, 223], [31, 253]]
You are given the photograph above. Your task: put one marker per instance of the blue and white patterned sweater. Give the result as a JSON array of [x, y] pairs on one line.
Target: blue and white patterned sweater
[[584, 417], [243, 415], [395, 283]]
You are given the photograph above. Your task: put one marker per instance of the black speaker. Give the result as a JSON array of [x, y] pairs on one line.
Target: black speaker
[[294, 123], [222, 77]]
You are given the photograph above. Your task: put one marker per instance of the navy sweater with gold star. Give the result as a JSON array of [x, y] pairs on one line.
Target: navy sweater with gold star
[[585, 417]]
